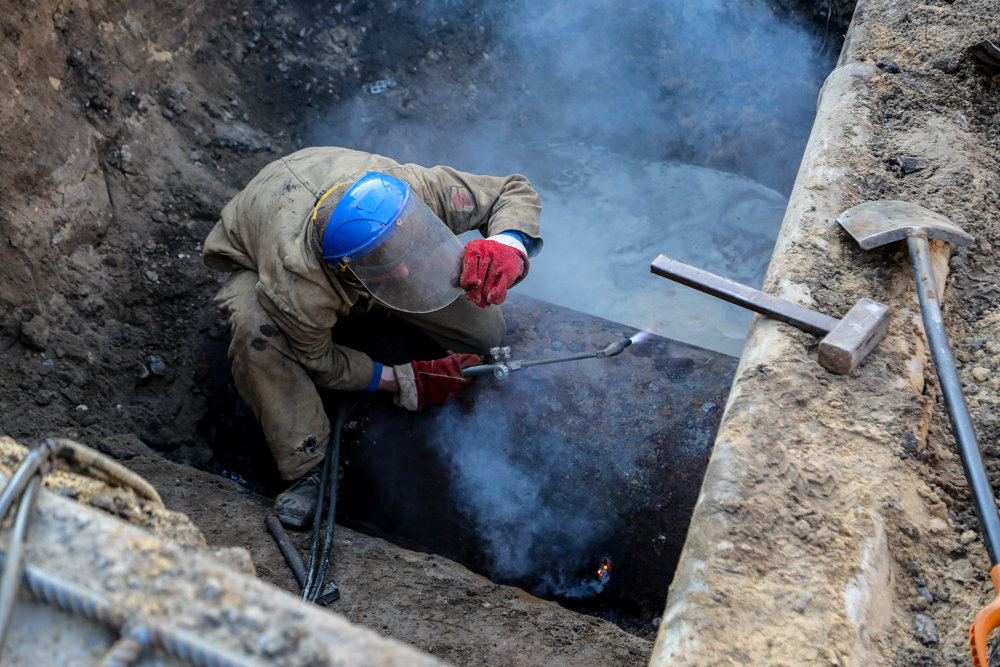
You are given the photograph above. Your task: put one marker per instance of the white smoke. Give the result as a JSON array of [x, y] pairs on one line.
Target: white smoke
[[534, 520], [718, 83], [600, 103]]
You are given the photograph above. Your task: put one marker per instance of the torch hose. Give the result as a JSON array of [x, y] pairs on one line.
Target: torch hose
[[319, 557]]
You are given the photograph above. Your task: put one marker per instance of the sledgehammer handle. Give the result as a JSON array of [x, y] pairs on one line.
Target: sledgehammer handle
[[747, 297]]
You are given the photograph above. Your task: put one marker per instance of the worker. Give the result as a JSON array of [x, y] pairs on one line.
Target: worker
[[326, 230]]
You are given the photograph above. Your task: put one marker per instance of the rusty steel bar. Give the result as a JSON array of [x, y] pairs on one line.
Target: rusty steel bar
[[747, 297], [287, 548]]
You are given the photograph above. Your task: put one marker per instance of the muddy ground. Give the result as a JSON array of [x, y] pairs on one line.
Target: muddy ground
[[125, 127]]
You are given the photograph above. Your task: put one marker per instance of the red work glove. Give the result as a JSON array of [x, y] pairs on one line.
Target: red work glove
[[489, 269], [441, 380]]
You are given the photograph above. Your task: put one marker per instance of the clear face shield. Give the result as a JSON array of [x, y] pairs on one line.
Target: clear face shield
[[416, 269]]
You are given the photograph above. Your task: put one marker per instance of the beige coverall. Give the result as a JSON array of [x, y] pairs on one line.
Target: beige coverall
[[282, 300]]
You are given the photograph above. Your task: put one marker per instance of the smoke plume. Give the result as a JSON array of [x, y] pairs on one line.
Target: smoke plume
[[720, 83], [538, 520], [604, 105]]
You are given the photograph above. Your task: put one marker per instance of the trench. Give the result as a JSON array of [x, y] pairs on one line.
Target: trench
[[698, 167], [834, 525], [647, 128]]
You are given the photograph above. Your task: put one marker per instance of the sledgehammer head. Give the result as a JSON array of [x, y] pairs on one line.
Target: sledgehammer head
[[857, 334], [876, 223]]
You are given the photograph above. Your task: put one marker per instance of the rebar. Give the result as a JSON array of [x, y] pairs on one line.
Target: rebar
[[77, 599], [14, 563], [195, 650], [124, 653], [91, 461]]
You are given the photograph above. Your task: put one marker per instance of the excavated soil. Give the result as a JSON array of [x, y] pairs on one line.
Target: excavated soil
[[125, 127], [927, 73], [836, 507]]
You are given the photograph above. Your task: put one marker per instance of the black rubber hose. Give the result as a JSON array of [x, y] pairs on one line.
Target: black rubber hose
[[319, 559], [342, 414], [307, 587]]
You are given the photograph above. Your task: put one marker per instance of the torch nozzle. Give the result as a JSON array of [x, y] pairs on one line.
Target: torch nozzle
[[616, 348]]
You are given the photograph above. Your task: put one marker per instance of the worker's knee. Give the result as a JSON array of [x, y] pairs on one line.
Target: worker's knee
[[489, 333], [480, 330], [463, 326], [295, 460]]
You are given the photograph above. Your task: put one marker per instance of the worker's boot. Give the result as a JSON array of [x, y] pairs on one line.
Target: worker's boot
[[296, 505]]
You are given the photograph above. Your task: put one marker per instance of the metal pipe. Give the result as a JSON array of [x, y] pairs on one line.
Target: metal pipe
[[968, 448], [287, 548]]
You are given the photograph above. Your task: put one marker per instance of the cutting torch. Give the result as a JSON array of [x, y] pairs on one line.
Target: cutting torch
[[503, 365]]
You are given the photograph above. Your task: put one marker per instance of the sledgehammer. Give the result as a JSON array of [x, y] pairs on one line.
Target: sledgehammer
[[845, 342], [876, 223]]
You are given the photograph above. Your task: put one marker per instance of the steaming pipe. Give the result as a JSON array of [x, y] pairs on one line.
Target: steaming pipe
[[506, 366]]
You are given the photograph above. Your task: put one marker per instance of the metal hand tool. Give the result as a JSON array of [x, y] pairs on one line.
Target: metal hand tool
[[845, 342], [986, 52], [503, 365], [879, 222]]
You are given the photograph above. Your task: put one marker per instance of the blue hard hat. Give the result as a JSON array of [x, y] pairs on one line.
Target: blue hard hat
[[365, 217]]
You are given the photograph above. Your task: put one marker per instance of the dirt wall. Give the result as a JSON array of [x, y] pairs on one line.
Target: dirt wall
[[103, 213], [125, 127]]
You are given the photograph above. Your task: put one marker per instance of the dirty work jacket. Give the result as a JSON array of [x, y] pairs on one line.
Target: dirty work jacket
[[267, 228]]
